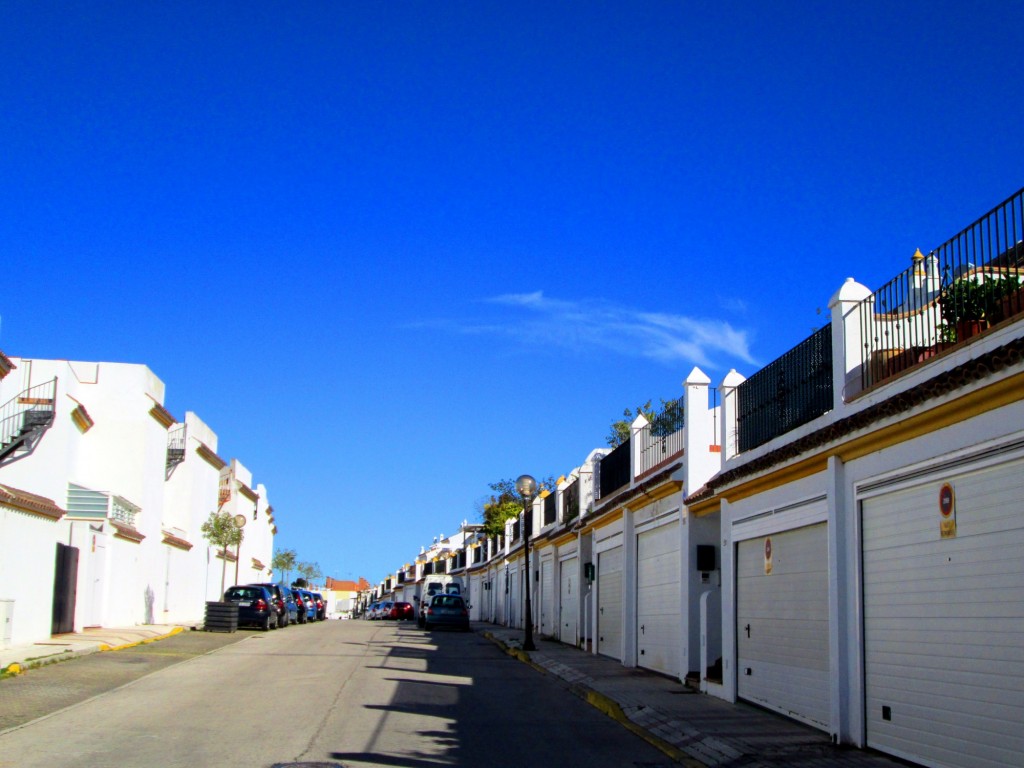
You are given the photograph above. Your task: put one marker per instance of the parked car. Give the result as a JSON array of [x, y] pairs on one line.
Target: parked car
[[321, 606], [399, 611], [300, 607], [284, 601], [447, 611], [307, 600], [255, 606], [371, 611], [384, 610]]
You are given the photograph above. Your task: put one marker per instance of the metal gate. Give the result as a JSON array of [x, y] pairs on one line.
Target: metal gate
[[65, 585]]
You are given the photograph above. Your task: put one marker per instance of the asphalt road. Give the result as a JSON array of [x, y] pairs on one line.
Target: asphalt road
[[341, 693]]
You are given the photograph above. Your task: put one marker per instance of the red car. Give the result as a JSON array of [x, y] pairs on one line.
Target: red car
[[399, 611]]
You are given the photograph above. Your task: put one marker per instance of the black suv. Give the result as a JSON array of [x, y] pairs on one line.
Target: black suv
[[284, 602]]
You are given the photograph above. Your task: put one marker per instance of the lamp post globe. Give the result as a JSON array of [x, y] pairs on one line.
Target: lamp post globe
[[527, 487]]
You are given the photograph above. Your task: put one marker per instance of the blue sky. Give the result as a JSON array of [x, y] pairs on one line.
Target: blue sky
[[394, 251]]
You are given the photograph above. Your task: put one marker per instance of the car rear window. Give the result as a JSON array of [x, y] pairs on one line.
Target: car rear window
[[244, 593], [448, 601]]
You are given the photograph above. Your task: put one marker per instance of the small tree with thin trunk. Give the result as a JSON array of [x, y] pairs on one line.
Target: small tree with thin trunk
[[220, 530], [283, 563]]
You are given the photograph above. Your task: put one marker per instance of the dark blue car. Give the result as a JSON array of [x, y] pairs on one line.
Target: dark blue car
[[310, 602], [255, 606]]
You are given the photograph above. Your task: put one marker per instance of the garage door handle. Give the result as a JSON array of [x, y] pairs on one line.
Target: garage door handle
[[747, 630], [602, 610], [642, 628]]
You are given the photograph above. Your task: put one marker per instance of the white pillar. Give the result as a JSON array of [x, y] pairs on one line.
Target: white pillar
[[846, 305], [728, 439]]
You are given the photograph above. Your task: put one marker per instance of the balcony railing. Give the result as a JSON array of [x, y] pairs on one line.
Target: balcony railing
[[550, 508], [615, 469], [571, 501], [971, 282], [787, 393], [657, 447]]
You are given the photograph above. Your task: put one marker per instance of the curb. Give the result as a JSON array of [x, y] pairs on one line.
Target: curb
[[146, 641], [604, 704]]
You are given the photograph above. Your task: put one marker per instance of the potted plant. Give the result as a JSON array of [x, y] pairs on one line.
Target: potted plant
[[963, 305]]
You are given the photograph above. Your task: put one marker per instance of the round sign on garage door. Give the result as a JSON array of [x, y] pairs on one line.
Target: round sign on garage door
[[947, 511], [767, 556]]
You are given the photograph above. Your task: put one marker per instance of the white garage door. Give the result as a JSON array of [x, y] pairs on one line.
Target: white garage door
[[782, 631], [944, 622], [609, 597], [547, 597], [475, 597], [569, 601], [658, 620], [515, 600]]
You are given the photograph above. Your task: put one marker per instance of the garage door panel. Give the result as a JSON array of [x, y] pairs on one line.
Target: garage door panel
[[609, 595], [568, 601], [783, 628], [658, 627], [943, 620]]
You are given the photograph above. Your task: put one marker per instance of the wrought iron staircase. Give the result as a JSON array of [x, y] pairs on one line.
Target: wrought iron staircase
[[24, 419]]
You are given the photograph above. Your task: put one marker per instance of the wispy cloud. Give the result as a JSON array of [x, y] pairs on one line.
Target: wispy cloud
[[589, 325]]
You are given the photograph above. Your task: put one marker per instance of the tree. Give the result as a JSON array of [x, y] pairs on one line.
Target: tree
[[665, 422], [506, 504], [309, 571], [283, 562], [220, 530]]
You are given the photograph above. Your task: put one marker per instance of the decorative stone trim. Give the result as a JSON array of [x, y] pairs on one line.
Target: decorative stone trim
[[210, 457], [162, 416], [23, 501], [248, 492], [126, 532], [6, 366], [224, 554], [257, 565], [82, 419], [177, 542]]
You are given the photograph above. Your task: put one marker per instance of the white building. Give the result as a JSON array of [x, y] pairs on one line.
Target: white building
[[101, 480]]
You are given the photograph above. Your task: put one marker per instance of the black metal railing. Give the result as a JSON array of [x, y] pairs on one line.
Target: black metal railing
[[428, 569], [571, 501], [24, 418], [550, 508], [175, 447], [971, 282], [787, 393], [615, 469]]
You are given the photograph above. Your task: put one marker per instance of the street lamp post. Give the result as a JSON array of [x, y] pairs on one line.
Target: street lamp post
[[527, 488]]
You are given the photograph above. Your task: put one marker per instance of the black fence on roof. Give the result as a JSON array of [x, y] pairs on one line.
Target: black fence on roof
[[571, 501], [787, 393], [615, 469], [550, 508]]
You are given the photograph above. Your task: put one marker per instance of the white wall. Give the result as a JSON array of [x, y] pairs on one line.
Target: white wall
[[28, 546]]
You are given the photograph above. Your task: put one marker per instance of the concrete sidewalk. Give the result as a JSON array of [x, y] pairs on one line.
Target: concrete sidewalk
[[62, 647], [692, 728]]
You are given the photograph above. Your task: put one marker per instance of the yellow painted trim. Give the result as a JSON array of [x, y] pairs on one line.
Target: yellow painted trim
[[563, 538], [663, 491]]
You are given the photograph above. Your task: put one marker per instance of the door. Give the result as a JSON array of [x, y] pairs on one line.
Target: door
[[515, 601], [944, 620], [568, 614], [65, 590], [782, 629], [609, 599], [658, 619], [547, 597]]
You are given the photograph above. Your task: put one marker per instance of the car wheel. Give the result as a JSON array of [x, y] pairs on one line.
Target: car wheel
[[265, 626]]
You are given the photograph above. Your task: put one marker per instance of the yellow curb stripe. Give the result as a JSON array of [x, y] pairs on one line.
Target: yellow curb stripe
[[172, 633]]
